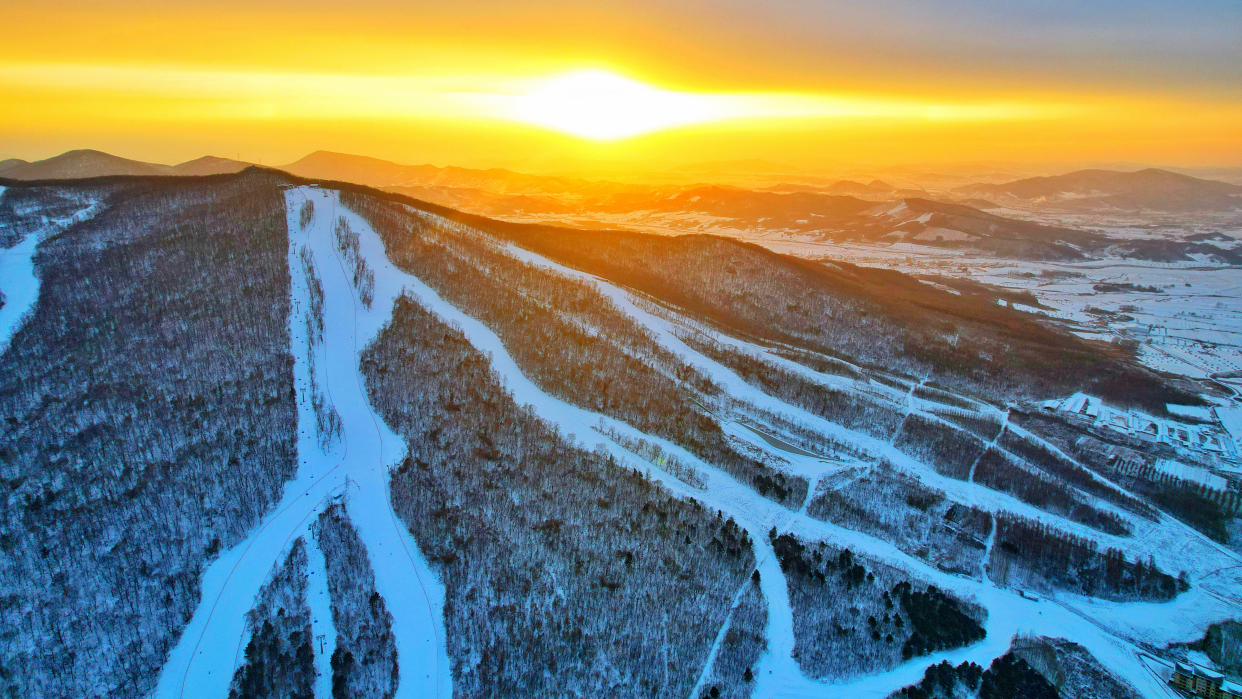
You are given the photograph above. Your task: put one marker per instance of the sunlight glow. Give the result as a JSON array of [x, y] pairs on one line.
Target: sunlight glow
[[586, 111], [604, 106]]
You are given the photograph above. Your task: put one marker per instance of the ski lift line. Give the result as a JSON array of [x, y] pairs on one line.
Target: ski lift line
[[379, 438], [295, 532], [715, 651], [262, 528]]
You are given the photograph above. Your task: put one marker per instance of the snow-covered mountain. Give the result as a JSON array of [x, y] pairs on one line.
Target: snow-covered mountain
[[262, 435]]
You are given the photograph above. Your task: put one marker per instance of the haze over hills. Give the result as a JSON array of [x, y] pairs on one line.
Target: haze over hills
[[381, 173], [847, 211], [1154, 189], [76, 164]]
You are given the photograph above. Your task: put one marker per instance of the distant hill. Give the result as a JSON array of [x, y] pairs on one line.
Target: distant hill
[[1153, 189], [772, 208], [8, 163], [373, 172], [77, 164], [208, 165], [359, 169], [923, 221], [851, 187]]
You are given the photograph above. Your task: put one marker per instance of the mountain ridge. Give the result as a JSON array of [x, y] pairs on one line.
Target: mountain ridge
[[86, 163], [1151, 188]]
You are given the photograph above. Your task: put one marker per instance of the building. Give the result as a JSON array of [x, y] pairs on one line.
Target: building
[[1199, 682]]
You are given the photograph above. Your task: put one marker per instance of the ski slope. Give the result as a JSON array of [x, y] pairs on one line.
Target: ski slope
[[19, 281], [354, 468], [1109, 630]]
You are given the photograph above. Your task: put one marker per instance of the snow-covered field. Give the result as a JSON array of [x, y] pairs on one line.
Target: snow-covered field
[[1192, 327]]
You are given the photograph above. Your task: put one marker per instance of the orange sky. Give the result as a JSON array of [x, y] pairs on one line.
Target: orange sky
[[534, 84]]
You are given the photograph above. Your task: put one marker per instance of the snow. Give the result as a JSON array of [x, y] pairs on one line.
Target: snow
[[1193, 474], [1231, 420], [720, 637], [1197, 412], [1109, 630], [933, 233], [895, 211], [20, 286], [1184, 437], [356, 467], [1113, 642], [19, 281], [322, 628]]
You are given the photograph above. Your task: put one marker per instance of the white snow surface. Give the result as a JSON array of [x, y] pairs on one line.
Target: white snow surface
[[19, 281], [1197, 412], [322, 628], [356, 468], [1231, 420], [1193, 474]]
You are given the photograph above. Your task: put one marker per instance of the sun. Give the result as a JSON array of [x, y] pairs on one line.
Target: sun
[[604, 106]]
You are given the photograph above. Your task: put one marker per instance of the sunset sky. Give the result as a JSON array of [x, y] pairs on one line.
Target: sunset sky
[[534, 84]]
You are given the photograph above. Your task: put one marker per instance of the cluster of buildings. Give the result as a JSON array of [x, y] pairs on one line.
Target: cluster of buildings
[[1200, 439]]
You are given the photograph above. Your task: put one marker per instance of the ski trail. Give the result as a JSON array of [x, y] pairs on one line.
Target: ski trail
[[987, 554], [744, 392], [202, 664], [720, 637], [588, 430], [778, 673], [1008, 613], [411, 591], [203, 661], [1166, 539], [19, 281], [970, 477], [322, 628]]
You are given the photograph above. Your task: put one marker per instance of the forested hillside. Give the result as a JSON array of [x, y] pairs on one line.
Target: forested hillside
[[838, 309], [268, 437], [149, 422]]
